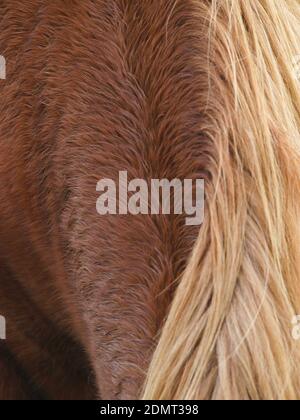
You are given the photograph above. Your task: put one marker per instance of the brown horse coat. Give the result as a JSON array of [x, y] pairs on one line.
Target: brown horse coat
[[92, 88]]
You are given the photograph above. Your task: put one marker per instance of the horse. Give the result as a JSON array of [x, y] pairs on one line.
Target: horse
[[123, 306]]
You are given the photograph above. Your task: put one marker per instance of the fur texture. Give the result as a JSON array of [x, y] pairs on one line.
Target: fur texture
[[92, 88], [161, 89]]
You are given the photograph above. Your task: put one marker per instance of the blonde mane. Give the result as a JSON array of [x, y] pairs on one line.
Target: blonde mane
[[228, 334]]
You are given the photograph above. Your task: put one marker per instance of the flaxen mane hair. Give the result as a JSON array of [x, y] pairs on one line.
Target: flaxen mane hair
[[228, 333], [126, 307]]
